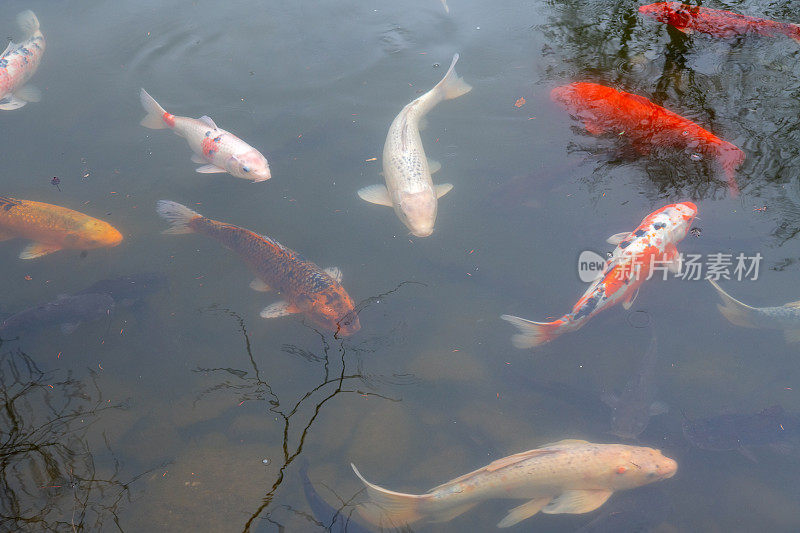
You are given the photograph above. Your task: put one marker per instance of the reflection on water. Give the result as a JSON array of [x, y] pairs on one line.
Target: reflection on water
[[189, 412]]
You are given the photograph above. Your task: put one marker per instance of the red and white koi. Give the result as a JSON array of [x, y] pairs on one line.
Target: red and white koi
[[638, 254], [216, 149], [19, 62]]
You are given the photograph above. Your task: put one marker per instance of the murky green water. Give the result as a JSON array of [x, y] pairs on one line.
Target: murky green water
[[188, 412]]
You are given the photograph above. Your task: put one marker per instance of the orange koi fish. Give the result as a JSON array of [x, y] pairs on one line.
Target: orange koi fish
[[605, 109], [52, 228], [716, 22], [307, 289], [637, 255]]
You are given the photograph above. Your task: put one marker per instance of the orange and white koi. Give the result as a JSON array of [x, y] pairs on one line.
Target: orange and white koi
[[569, 476], [716, 22], [52, 228], [19, 62], [306, 288], [637, 255], [215, 149]]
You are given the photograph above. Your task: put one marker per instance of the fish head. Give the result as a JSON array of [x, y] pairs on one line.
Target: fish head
[[635, 466], [93, 234], [250, 165], [681, 217], [418, 212], [674, 13], [332, 309]]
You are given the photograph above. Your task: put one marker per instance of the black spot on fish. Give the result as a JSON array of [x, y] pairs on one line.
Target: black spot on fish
[[588, 307], [624, 244], [659, 225], [639, 232]]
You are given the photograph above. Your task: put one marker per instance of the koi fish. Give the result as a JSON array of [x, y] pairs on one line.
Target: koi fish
[[126, 290], [569, 476], [786, 317], [68, 311], [409, 188], [631, 410], [632, 262], [771, 427], [215, 149], [307, 289], [52, 228], [603, 109], [19, 62], [331, 519], [716, 22]]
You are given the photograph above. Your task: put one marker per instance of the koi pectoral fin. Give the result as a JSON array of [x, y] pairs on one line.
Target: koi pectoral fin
[[618, 237], [629, 302], [278, 309], [577, 501], [524, 511], [200, 160], [376, 194], [792, 335], [29, 93], [12, 102], [260, 286], [442, 189], [209, 169], [434, 166], [38, 249], [593, 127]]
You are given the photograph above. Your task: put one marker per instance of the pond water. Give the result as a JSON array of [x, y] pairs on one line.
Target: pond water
[[188, 412]]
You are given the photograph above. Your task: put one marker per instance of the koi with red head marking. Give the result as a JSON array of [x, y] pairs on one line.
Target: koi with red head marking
[[716, 22], [306, 288], [638, 253], [604, 109]]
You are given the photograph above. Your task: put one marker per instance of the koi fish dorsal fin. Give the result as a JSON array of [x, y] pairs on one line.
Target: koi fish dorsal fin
[[793, 304], [565, 443], [10, 48], [640, 99], [205, 119], [6, 202], [496, 465]]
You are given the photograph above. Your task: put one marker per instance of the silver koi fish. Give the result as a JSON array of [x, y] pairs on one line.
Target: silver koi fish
[[785, 317]]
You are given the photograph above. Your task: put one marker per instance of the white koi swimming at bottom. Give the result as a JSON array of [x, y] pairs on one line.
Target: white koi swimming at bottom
[[569, 476], [216, 149], [785, 317], [409, 188]]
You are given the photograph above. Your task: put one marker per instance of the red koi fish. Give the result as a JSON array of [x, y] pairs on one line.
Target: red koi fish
[[638, 254], [716, 22], [306, 288], [604, 109]]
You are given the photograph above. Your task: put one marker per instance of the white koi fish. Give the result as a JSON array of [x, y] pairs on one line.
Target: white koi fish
[[19, 62], [569, 476], [216, 149], [638, 254], [785, 317], [409, 188]]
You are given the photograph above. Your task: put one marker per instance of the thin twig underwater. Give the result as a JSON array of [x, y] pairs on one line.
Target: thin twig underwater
[[253, 384]]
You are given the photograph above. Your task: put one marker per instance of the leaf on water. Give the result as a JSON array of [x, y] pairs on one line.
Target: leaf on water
[[520, 102]]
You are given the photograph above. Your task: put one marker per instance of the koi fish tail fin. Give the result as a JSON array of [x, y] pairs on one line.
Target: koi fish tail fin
[[178, 215], [532, 333], [390, 509], [28, 23], [730, 157], [155, 113], [453, 85], [736, 312]]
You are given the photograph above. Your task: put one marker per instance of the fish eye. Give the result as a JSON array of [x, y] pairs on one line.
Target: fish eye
[[245, 168]]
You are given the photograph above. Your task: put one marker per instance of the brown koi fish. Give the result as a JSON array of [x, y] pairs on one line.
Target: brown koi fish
[[306, 288]]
